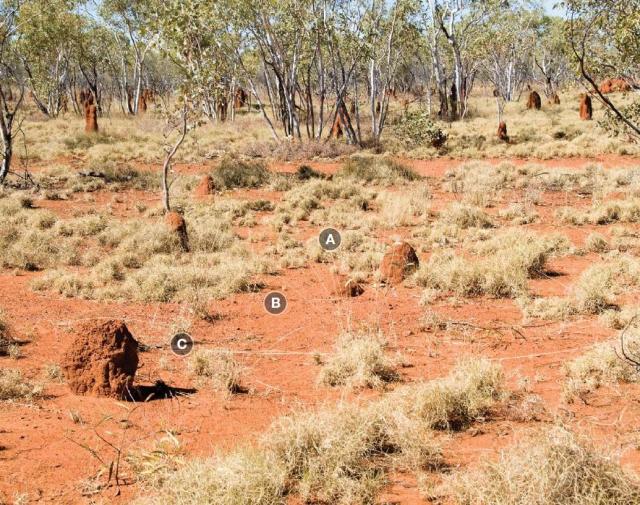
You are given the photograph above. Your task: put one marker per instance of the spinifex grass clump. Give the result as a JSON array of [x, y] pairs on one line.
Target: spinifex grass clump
[[554, 468], [466, 395], [13, 386], [217, 368], [501, 268], [27, 237], [601, 365], [145, 260], [236, 173], [377, 170], [359, 360], [593, 293]]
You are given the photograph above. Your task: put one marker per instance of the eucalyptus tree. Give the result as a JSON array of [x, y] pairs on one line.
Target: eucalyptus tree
[[506, 47], [280, 31], [130, 20], [342, 25], [94, 50], [604, 36], [551, 55], [196, 37], [387, 35], [47, 31], [453, 29]]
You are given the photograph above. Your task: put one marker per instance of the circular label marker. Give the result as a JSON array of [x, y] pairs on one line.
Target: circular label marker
[[330, 239], [181, 344], [275, 303]]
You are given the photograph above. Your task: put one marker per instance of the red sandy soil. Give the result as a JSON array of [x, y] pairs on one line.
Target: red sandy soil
[[438, 166], [43, 452]]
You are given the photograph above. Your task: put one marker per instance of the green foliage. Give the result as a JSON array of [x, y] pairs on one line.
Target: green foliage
[[47, 35], [417, 128], [615, 126]]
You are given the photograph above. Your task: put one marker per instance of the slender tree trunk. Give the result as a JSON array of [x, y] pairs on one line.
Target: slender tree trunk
[[167, 161], [7, 117], [7, 154]]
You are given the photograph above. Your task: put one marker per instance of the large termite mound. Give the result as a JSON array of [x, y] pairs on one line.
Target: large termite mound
[[221, 108], [90, 111], [586, 109], [534, 101], [398, 262], [102, 360]]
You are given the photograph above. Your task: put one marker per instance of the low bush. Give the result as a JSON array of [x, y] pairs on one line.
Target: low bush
[[554, 468], [235, 173], [376, 170], [416, 128]]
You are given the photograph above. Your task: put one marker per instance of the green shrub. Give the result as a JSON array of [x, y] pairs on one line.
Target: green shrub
[[305, 172], [234, 173], [615, 126], [417, 128], [377, 170]]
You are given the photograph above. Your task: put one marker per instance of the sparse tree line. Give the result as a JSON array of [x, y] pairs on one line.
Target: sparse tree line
[[311, 68]]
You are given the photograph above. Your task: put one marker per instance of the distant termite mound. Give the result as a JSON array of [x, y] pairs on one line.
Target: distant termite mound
[[146, 97], [84, 95], [241, 98], [614, 86], [221, 108], [336, 128], [206, 187], [502, 132], [90, 112], [102, 360], [176, 224], [534, 101], [555, 99], [586, 109]]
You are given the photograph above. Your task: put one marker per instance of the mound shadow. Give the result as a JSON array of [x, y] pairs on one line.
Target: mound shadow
[[160, 390]]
